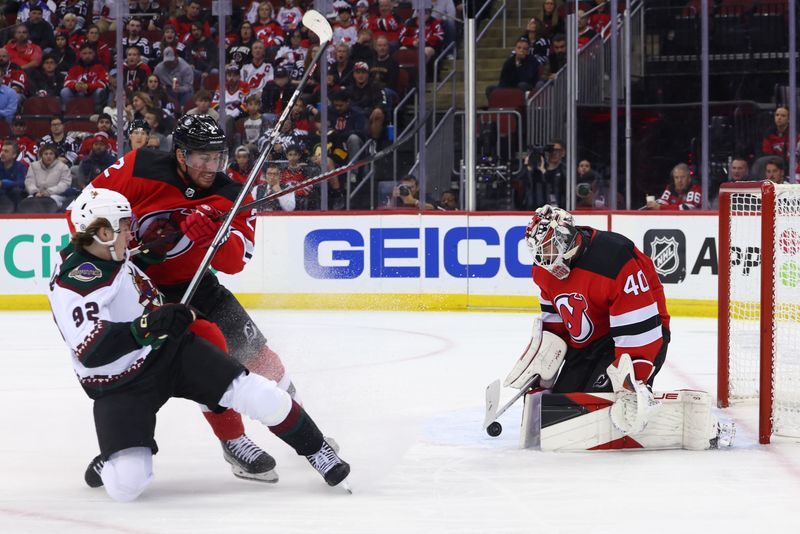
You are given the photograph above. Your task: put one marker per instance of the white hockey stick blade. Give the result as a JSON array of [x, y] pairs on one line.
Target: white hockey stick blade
[[317, 23], [532, 383], [492, 402]]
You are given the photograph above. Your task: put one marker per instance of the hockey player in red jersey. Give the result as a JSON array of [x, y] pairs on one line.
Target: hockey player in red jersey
[[681, 193], [183, 194]]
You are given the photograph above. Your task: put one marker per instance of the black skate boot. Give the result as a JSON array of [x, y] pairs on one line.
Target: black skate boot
[[248, 461], [92, 475], [332, 468]]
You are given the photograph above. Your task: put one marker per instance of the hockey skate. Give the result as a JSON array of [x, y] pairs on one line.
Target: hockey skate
[[248, 461], [327, 462], [92, 475]]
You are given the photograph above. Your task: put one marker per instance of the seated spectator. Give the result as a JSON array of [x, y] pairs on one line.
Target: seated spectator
[[25, 7], [239, 51], [140, 104], [153, 118], [65, 144], [103, 14], [87, 78], [74, 34], [161, 99], [104, 126], [63, 53], [176, 75], [585, 32], [292, 56], [776, 141], [239, 170], [11, 75], [386, 24], [46, 80], [295, 172], [434, 35], [169, 39], [148, 12], [40, 30], [9, 103], [46, 182], [289, 16], [448, 201], [236, 92], [445, 12], [255, 124], [384, 68], [361, 15], [266, 28], [276, 95], [601, 16], [371, 98], [77, 8], [587, 198], [258, 72], [22, 51], [133, 38], [406, 194], [520, 71], [344, 30], [550, 19], [28, 148], [193, 13], [363, 49], [274, 184], [202, 105], [157, 142], [348, 122], [137, 135], [12, 177], [537, 38], [680, 194], [558, 56], [201, 52], [102, 50], [98, 160], [774, 170], [739, 171], [134, 71]]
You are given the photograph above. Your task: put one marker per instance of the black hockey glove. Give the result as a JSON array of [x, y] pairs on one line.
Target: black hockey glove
[[168, 321]]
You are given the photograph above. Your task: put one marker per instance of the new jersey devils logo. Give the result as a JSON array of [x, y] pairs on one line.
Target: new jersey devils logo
[[161, 230], [572, 309]]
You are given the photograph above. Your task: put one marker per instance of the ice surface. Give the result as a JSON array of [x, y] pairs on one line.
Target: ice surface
[[402, 393]]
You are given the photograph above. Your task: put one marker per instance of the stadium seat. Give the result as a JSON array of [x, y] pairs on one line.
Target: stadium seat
[[507, 97], [403, 82], [211, 83], [154, 36], [37, 128], [109, 38], [5, 131], [42, 105], [408, 59], [79, 106]]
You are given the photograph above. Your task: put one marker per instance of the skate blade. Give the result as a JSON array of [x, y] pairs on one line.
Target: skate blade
[[269, 477], [345, 485]]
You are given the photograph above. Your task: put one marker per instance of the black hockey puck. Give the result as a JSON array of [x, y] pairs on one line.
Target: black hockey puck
[[495, 429]]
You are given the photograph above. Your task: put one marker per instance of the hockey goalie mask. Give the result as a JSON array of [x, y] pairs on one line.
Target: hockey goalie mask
[[553, 240]]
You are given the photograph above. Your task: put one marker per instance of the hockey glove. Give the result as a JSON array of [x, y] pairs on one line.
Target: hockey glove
[[634, 404], [168, 321], [202, 225]]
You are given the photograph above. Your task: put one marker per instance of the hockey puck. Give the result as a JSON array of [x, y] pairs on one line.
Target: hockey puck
[[495, 429]]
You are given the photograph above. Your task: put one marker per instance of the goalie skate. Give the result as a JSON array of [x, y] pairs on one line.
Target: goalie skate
[[327, 462], [248, 461]]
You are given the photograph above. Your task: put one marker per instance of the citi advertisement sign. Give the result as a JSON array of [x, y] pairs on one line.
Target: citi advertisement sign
[[374, 252]]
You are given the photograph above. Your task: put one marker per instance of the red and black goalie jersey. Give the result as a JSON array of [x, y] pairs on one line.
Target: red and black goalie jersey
[[160, 200], [612, 289]]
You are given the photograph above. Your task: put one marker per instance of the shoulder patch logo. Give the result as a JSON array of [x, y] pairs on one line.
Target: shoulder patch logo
[[572, 309], [85, 272]]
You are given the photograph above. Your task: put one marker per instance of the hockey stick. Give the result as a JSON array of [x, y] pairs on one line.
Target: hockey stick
[[317, 23], [490, 424]]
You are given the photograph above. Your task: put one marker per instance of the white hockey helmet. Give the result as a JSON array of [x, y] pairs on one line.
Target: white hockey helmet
[[553, 240], [98, 203]]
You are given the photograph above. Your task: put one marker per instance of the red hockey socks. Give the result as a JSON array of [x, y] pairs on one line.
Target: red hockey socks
[[299, 431], [226, 425]]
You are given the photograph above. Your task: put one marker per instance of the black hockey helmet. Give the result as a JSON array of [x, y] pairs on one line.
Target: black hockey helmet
[[199, 132]]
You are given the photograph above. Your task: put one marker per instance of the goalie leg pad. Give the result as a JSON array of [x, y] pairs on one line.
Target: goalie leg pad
[[543, 357]]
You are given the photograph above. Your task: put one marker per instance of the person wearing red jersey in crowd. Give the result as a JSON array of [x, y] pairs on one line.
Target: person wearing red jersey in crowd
[[87, 78], [101, 49], [180, 197], [22, 51], [776, 141], [289, 16], [681, 194], [585, 31], [242, 163], [75, 35], [104, 126], [386, 24], [183, 23], [10, 73], [266, 28], [601, 296], [434, 35], [28, 147]]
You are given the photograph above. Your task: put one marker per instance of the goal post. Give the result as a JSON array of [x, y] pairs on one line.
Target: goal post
[[759, 302]]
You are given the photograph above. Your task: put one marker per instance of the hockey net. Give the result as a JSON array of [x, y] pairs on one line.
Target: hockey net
[[759, 302]]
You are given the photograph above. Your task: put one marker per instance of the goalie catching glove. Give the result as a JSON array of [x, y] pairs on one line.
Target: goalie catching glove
[[202, 225], [633, 404], [168, 321], [542, 357]]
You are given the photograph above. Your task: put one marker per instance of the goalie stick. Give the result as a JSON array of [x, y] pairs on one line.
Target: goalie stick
[[317, 23], [490, 423]]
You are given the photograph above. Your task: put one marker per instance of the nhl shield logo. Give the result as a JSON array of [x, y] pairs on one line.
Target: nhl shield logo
[[665, 255], [667, 249]]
